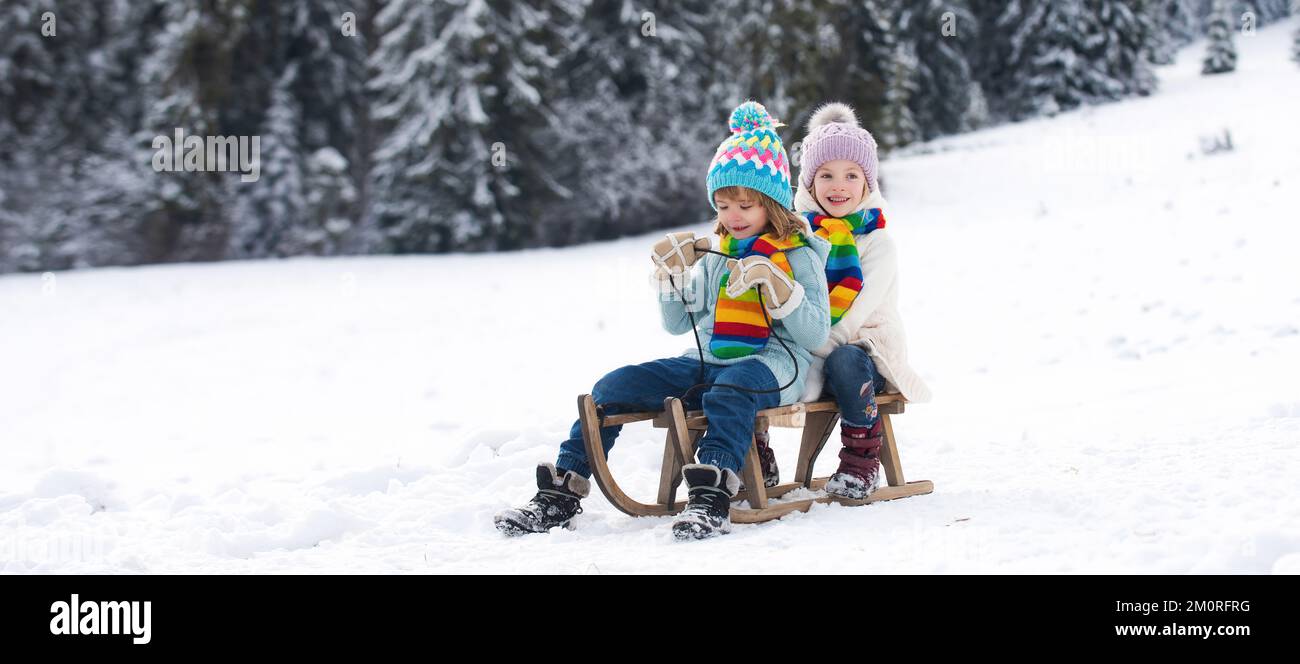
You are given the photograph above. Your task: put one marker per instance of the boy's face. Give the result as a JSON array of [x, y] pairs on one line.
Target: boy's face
[[742, 215], [840, 187]]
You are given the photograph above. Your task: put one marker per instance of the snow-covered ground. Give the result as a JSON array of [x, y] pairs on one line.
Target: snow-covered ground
[[1109, 318]]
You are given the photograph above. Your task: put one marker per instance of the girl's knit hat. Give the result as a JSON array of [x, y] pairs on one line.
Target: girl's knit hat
[[834, 133], [752, 156]]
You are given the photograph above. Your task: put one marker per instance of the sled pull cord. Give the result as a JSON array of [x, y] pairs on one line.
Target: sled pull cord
[[699, 347]]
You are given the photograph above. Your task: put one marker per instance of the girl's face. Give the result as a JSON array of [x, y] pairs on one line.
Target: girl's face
[[743, 216], [840, 187]]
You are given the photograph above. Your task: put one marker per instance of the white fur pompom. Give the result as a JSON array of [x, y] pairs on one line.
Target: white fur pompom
[[832, 112]]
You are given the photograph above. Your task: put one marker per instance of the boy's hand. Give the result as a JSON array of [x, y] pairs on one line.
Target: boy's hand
[[759, 272], [678, 251]]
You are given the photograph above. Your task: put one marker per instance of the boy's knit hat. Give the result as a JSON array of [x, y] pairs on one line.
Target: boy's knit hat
[[834, 133], [752, 156]]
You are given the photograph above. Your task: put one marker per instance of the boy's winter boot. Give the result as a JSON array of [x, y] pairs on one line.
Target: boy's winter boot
[[555, 504], [708, 512]]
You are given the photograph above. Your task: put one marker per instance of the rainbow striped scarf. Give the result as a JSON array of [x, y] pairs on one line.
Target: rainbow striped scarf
[[740, 327], [843, 266]]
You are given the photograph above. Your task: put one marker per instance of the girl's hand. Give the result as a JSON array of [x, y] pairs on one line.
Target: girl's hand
[[678, 251], [759, 272]]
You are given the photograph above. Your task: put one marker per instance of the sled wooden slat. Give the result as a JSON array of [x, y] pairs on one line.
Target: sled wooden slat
[[886, 493], [739, 515], [817, 429], [882, 493], [669, 472], [889, 456], [679, 450], [778, 510], [789, 417], [683, 430], [600, 468], [752, 475], [629, 418], [695, 419], [684, 438]]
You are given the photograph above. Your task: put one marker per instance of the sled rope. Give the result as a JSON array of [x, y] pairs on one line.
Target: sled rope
[[600, 408]]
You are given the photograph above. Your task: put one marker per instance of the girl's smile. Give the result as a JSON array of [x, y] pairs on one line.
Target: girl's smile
[[839, 187]]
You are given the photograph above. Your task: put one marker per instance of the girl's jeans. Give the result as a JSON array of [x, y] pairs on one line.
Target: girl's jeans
[[852, 379], [642, 387]]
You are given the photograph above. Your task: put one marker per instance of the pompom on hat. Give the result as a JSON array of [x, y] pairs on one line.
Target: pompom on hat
[[752, 156], [834, 133]]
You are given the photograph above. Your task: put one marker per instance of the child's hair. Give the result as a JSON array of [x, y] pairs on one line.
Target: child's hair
[[781, 222]]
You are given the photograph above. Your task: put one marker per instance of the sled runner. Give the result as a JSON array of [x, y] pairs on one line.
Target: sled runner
[[684, 429]]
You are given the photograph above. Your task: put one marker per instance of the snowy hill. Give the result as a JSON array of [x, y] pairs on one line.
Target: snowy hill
[[1108, 316]]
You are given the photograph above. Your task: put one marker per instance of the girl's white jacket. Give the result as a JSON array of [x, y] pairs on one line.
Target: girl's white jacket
[[872, 322]]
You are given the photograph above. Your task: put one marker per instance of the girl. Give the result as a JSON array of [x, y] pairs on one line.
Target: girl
[[771, 283], [839, 196]]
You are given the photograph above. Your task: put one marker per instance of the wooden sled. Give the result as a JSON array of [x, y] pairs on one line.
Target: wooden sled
[[684, 430]]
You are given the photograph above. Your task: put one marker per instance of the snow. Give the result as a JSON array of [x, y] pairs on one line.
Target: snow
[[1108, 318]]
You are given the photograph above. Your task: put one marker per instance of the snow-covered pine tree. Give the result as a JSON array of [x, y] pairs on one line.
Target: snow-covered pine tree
[[29, 71], [66, 106], [417, 99], [947, 99], [463, 93], [185, 82], [1295, 47], [647, 75], [688, 99], [1183, 21], [1266, 11], [782, 51], [899, 126], [597, 116], [867, 75], [1163, 48], [1124, 35], [330, 84], [114, 179], [22, 32], [81, 108], [998, 56], [1030, 56], [330, 90], [331, 200], [1179, 20], [1056, 43], [273, 205], [77, 78], [800, 61], [758, 71], [302, 92], [1222, 55], [31, 233], [1040, 57]]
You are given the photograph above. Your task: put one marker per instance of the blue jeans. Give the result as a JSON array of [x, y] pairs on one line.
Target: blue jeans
[[640, 387], [851, 377]]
